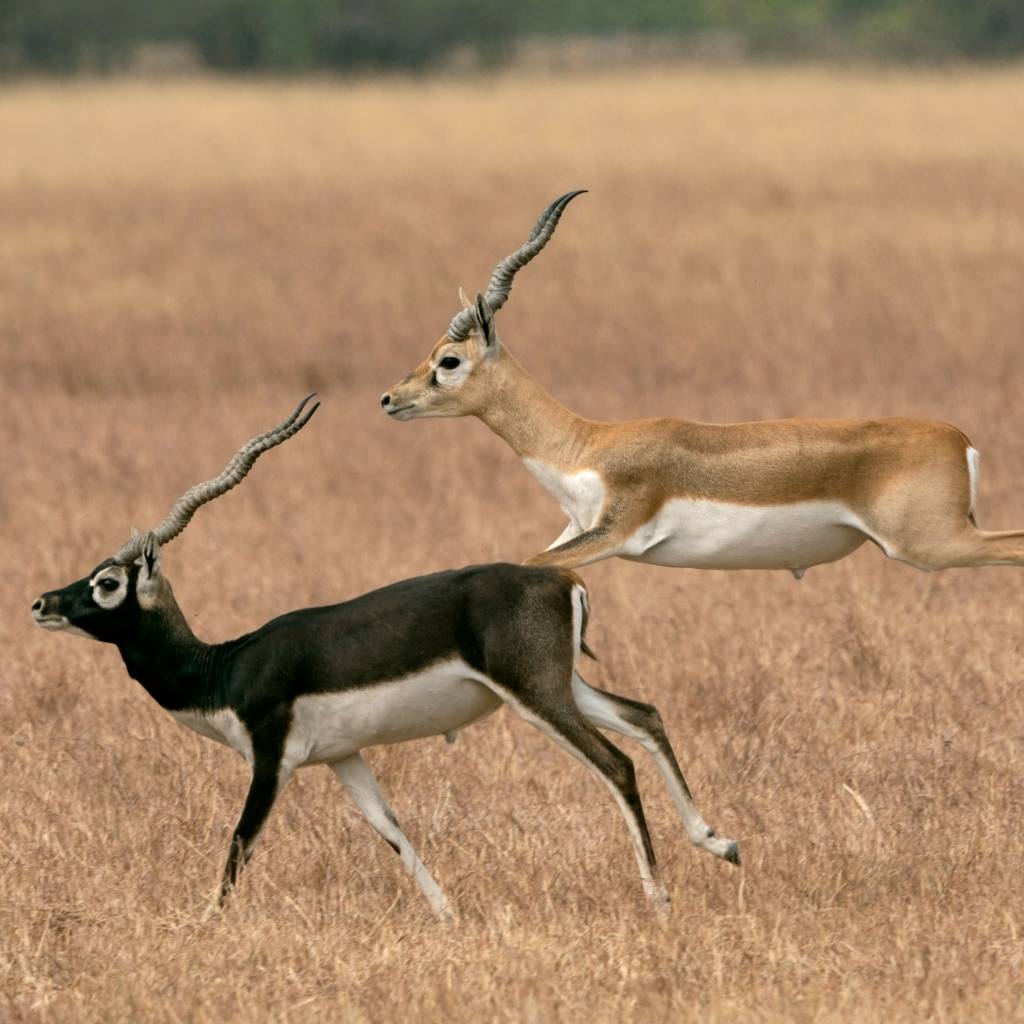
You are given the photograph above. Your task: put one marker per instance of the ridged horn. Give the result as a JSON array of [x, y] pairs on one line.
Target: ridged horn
[[500, 283], [185, 507]]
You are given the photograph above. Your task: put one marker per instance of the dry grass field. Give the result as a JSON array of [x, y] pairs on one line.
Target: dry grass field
[[180, 262]]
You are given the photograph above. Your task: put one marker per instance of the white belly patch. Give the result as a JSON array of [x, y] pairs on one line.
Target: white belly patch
[[581, 495], [441, 699], [714, 535]]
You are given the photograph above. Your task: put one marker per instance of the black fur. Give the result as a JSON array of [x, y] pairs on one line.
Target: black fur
[[512, 624]]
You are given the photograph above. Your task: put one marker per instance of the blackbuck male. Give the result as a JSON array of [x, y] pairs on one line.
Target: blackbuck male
[[773, 494], [423, 657]]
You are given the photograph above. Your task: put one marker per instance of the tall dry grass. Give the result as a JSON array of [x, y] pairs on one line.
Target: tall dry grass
[[179, 263]]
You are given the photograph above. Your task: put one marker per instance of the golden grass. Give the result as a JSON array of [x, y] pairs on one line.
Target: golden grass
[[180, 262]]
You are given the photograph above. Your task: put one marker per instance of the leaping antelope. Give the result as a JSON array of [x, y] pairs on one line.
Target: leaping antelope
[[772, 494], [419, 658]]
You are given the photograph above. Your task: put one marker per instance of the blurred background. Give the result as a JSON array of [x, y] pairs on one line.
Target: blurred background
[[295, 36], [798, 208]]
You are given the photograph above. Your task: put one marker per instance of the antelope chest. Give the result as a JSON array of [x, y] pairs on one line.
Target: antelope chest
[[223, 725], [581, 495]]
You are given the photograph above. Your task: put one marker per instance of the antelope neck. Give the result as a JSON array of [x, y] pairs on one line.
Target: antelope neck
[[169, 660], [530, 421]]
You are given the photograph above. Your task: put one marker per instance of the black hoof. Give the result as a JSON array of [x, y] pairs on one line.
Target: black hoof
[[732, 855]]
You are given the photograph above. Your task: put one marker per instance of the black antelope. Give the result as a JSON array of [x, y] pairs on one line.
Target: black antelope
[[422, 657], [774, 494]]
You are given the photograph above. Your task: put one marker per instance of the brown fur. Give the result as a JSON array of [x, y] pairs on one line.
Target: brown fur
[[907, 480]]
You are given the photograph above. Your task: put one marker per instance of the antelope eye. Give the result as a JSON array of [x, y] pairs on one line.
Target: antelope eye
[[109, 584], [449, 363]]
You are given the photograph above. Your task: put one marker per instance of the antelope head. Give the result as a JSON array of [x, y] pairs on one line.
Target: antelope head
[[455, 379], [117, 598]]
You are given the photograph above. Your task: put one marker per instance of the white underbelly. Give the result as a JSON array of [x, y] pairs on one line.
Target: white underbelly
[[330, 726], [715, 535]]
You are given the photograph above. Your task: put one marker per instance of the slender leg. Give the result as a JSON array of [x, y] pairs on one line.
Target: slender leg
[[643, 723], [571, 530], [565, 724], [603, 540], [356, 776], [267, 780]]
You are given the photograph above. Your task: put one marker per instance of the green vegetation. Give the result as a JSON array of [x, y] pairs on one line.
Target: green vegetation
[[299, 35]]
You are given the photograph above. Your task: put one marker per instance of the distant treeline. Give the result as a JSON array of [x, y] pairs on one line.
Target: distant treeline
[[66, 36]]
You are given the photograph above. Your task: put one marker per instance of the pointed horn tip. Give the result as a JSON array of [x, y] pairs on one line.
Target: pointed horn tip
[[567, 197], [293, 428], [299, 419], [563, 201], [551, 213]]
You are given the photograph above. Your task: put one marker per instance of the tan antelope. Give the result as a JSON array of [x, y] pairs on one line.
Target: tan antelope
[[772, 494]]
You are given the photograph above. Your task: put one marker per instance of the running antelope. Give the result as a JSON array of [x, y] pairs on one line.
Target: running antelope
[[422, 657], [772, 494]]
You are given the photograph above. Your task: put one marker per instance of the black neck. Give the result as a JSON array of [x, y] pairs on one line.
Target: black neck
[[167, 658]]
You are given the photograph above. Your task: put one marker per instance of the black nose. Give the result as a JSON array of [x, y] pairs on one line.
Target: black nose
[[385, 400], [37, 604]]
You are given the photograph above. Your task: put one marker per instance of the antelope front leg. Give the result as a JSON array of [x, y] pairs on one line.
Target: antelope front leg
[[603, 540], [357, 777], [571, 530], [267, 781]]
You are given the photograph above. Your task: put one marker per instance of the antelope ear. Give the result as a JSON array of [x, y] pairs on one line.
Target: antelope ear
[[485, 321], [151, 555], [147, 586], [464, 298]]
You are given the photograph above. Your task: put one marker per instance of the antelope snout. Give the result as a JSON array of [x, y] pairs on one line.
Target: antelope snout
[[392, 405], [44, 611]]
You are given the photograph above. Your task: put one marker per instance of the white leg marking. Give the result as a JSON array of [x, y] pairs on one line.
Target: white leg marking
[[357, 777], [603, 713]]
